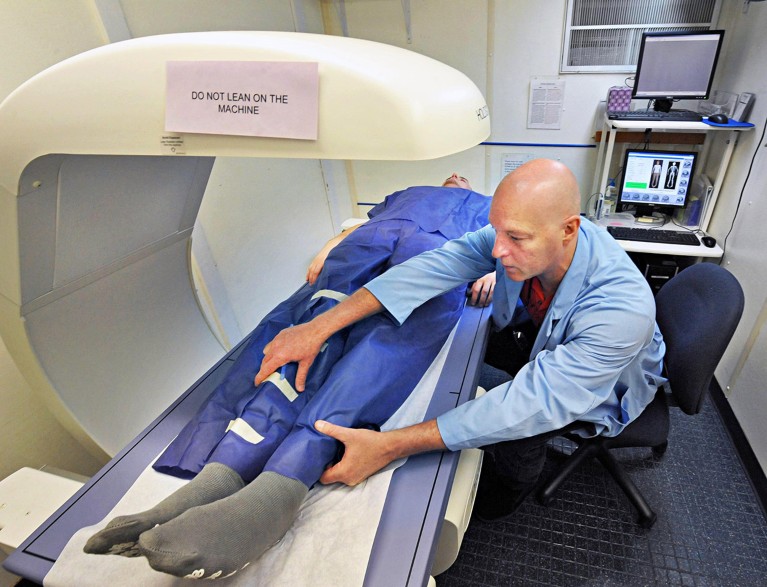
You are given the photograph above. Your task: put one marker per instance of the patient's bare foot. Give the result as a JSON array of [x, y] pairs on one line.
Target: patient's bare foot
[[214, 482]]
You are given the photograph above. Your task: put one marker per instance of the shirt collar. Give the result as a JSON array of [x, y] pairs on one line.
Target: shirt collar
[[571, 284]]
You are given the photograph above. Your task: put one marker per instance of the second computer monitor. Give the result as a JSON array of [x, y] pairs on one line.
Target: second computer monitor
[[656, 181], [676, 65]]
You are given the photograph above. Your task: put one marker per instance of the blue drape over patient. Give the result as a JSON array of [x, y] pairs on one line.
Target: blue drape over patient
[[365, 371]]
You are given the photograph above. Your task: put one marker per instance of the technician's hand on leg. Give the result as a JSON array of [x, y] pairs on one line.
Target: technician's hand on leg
[[302, 343], [295, 344], [365, 453]]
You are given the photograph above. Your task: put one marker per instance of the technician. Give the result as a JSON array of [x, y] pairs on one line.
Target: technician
[[594, 357]]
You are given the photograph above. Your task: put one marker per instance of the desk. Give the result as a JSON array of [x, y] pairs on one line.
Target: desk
[[700, 251], [607, 146], [659, 262]]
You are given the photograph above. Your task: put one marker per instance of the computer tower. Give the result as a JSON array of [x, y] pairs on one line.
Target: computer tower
[[657, 273]]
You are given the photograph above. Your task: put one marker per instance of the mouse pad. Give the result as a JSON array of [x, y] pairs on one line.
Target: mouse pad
[[730, 123]]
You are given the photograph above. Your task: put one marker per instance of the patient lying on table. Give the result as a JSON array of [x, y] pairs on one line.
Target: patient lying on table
[[253, 451]]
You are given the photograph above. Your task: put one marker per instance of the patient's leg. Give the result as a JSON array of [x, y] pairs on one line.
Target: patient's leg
[[368, 384], [214, 482], [220, 538]]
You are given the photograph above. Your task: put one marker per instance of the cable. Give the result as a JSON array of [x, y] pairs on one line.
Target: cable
[[588, 201], [743, 189], [687, 228], [647, 138]]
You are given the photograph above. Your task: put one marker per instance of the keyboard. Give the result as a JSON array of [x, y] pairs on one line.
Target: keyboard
[[655, 116], [653, 235]]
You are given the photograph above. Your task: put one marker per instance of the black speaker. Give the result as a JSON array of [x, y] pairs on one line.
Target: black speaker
[[659, 272]]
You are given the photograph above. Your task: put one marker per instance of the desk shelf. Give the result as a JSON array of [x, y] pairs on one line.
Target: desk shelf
[[613, 129], [701, 251]]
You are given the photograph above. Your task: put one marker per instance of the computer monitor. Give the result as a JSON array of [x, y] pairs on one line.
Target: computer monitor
[[656, 181], [676, 66]]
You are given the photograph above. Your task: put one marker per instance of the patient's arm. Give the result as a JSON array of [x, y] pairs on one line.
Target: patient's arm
[[301, 344], [481, 293], [319, 260]]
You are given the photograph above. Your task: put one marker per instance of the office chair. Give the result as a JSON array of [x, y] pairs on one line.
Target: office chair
[[697, 313]]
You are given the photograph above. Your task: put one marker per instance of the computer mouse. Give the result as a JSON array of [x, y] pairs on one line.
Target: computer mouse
[[709, 241], [718, 119]]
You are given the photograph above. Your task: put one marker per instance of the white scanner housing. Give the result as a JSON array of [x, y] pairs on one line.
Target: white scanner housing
[[96, 302]]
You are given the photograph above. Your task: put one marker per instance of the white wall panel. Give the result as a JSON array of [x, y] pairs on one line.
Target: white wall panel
[[452, 32], [374, 180], [264, 219], [153, 17], [748, 392], [741, 211]]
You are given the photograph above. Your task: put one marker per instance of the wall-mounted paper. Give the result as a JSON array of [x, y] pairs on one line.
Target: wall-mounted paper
[[545, 107], [510, 161]]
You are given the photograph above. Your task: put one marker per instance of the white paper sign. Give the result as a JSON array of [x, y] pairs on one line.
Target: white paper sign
[[510, 161], [545, 106], [250, 98]]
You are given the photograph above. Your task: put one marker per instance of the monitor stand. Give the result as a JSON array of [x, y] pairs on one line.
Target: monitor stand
[[646, 216]]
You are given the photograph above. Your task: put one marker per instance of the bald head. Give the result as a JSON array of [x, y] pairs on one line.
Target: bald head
[[544, 187], [536, 216]]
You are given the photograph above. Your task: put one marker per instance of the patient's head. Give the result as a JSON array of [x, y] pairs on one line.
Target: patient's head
[[456, 181]]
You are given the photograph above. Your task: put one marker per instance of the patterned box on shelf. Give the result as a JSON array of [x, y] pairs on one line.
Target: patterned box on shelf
[[618, 99]]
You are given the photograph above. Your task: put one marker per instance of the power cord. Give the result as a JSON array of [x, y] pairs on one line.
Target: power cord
[[588, 202], [697, 231]]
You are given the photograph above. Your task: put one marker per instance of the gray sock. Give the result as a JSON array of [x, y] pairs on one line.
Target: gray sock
[[221, 538], [214, 482]]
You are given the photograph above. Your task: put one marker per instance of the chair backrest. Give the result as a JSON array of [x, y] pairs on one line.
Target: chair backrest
[[698, 311]]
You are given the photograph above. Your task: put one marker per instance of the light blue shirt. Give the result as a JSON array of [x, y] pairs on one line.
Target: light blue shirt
[[597, 357]]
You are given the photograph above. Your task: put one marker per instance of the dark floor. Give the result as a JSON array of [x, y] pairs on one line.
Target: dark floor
[[711, 530]]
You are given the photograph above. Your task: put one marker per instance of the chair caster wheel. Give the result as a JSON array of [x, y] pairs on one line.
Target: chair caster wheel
[[647, 522]]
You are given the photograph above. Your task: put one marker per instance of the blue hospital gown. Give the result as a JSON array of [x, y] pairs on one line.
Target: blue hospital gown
[[365, 371]]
